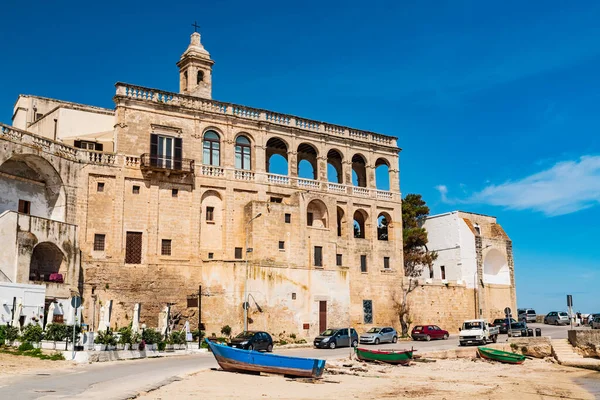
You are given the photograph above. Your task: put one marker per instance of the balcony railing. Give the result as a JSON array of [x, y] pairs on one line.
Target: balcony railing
[[170, 164]]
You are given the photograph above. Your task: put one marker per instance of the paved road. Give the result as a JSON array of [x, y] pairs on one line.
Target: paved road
[[124, 379]]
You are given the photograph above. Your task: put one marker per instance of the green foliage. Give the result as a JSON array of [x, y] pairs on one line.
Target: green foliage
[[12, 333], [32, 333], [161, 346], [292, 336], [416, 255], [105, 338], [25, 346], [177, 338], [125, 335], [198, 335], [135, 338], [2, 334], [37, 353], [56, 332], [150, 336], [283, 342], [226, 330]]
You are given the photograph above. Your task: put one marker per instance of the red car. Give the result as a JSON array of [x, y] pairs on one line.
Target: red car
[[428, 332]]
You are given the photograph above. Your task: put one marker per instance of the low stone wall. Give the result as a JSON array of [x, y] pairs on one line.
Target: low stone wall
[[586, 342], [538, 347], [115, 355]]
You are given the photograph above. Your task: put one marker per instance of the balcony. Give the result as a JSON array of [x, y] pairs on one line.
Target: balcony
[[169, 165]]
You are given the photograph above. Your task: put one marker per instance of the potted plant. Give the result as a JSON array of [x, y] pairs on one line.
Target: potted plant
[[11, 335], [125, 336], [33, 333], [151, 337]]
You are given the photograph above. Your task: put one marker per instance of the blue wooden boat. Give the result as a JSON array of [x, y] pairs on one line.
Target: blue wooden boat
[[238, 360]]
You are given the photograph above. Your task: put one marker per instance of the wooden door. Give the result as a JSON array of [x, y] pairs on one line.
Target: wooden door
[[322, 316]]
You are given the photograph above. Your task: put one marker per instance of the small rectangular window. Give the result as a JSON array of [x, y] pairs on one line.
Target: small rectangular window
[[288, 218], [386, 262], [443, 272], [133, 248], [24, 207], [210, 213], [281, 245], [338, 260], [276, 200], [363, 263], [318, 259], [174, 192], [100, 187], [238, 253], [309, 219], [368, 311], [99, 242], [430, 272], [293, 296], [135, 189], [210, 256], [165, 248]]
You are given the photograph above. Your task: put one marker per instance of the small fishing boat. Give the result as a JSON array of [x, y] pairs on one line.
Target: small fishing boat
[[238, 360], [402, 357], [499, 355]]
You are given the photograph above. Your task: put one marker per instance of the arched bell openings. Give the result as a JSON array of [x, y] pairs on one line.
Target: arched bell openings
[[359, 171], [382, 174], [277, 157], [360, 224], [316, 214], [307, 161], [243, 153], [384, 230], [211, 148], [334, 167]]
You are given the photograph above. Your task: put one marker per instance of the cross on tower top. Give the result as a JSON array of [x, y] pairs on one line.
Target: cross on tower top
[[196, 26]]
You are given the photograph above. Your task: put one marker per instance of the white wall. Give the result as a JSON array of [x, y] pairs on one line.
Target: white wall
[[74, 123], [8, 255], [16, 189], [444, 238], [32, 297], [468, 255]]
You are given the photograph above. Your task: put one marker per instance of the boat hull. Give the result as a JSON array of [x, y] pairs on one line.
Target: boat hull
[[237, 360], [501, 356], [391, 357]]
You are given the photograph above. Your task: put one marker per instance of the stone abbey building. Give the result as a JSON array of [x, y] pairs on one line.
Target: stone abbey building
[[168, 192]]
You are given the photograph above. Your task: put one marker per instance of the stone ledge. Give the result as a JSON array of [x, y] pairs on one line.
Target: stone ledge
[[116, 355]]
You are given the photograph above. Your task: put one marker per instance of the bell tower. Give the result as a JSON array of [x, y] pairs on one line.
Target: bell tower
[[195, 70]]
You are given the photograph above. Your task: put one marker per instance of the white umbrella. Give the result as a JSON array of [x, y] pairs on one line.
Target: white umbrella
[[162, 320], [50, 315], [135, 324], [17, 313]]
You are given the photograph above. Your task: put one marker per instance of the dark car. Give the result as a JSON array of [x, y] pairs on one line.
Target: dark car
[[252, 340], [516, 329], [338, 337], [502, 324], [428, 332]]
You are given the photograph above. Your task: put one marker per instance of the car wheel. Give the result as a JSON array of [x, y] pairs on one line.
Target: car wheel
[[494, 339], [332, 344], [250, 348], [355, 343], [377, 341], [461, 344], [270, 348], [428, 338], [557, 323], [445, 336], [394, 339]]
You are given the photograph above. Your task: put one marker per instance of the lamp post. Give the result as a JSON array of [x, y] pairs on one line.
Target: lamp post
[[246, 280]]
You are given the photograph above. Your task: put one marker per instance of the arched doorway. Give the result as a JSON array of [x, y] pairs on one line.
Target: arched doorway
[[48, 263], [495, 268]]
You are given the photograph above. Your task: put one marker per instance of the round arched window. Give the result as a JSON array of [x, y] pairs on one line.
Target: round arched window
[[242, 153], [211, 146]]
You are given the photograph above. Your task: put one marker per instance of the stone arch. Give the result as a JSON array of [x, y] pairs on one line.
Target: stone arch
[[495, 268], [276, 156], [307, 161], [384, 226], [47, 260], [32, 178], [341, 222], [359, 170], [212, 220], [382, 174], [317, 215], [243, 152], [211, 147], [335, 172], [361, 224]]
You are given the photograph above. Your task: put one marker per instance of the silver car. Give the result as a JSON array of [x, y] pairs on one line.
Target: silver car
[[596, 323], [557, 318], [379, 335], [526, 315]]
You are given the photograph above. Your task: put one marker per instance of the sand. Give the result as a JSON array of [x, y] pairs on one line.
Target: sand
[[12, 365], [443, 379]]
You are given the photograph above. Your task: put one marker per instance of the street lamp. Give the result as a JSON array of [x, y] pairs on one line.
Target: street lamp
[[246, 280]]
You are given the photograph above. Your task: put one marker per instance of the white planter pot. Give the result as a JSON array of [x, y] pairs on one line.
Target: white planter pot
[[48, 345], [99, 347], [111, 347]]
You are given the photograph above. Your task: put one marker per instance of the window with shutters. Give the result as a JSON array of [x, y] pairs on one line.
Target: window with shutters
[[165, 152], [338, 260], [288, 218], [281, 245], [99, 242], [133, 248], [443, 272], [368, 311], [100, 187], [318, 256], [386, 262], [238, 253], [210, 214], [24, 207], [363, 263], [135, 189], [165, 248], [82, 144]]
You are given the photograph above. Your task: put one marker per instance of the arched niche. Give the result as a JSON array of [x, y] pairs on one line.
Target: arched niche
[[495, 268], [360, 224], [276, 156], [317, 215], [47, 260]]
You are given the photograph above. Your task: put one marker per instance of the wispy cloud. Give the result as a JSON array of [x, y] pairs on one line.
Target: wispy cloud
[[443, 189], [566, 187]]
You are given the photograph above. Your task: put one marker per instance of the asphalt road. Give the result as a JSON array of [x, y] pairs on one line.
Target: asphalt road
[[124, 379]]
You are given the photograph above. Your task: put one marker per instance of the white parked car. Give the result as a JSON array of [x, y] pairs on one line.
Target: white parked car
[[596, 323]]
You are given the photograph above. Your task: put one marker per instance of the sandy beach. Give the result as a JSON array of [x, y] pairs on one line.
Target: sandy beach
[[443, 379], [18, 365]]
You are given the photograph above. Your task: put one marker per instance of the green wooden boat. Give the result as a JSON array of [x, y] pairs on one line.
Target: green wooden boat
[[499, 355], [402, 357]]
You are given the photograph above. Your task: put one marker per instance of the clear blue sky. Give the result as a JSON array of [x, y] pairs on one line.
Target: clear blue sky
[[495, 106]]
